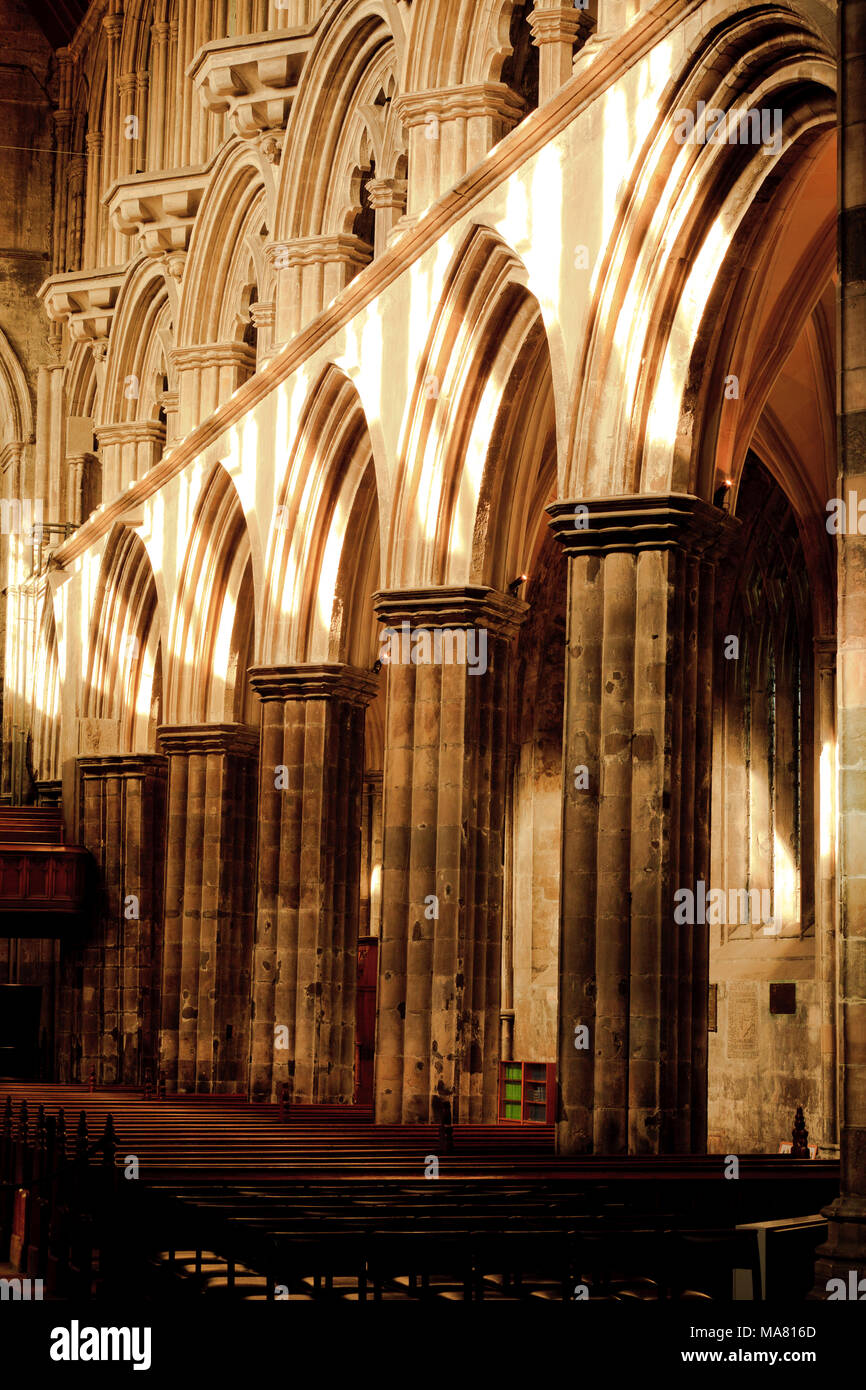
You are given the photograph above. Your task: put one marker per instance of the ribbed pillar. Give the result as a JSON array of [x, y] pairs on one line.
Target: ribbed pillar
[[209, 908], [109, 1023], [444, 811], [636, 818], [846, 1245], [308, 906]]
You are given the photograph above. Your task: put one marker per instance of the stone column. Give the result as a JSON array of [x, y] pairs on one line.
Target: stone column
[[206, 377], [555, 30], [93, 210], [450, 130], [444, 810], [109, 1004], [846, 1245], [305, 959], [209, 906], [310, 272], [388, 198], [156, 134], [636, 821]]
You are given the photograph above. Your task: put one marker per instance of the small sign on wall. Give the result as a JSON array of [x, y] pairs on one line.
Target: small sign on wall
[[783, 999]]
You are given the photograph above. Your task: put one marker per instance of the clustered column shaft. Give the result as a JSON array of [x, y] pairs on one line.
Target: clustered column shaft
[[209, 906], [108, 1009], [444, 803], [310, 788], [636, 820]]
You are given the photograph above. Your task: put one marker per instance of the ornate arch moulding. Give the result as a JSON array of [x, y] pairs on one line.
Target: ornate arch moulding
[[159, 209], [253, 80]]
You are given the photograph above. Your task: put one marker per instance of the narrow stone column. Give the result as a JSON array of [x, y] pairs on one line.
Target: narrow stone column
[[636, 821], [556, 29], [444, 813], [450, 130], [305, 960], [209, 887], [115, 1013], [845, 1249]]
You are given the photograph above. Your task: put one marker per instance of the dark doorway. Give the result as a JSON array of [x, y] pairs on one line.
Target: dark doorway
[[365, 1019], [20, 1010]]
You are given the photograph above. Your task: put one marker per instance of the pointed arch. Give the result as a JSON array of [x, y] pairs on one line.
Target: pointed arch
[[471, 470], [646, 416], [123, 675], [211, 641], [318, 591], [139, 353], [226, 256], [16, 414], [343, 119], [457, 42]]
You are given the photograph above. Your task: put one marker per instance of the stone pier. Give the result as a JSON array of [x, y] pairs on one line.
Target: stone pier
[[109, 1000], [209, 906], [636, 779], [444, 805], [305, 961]]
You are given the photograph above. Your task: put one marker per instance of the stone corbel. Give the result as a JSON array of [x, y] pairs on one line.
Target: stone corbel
[[173, 264], [159, 210], [253, 79], [85, 300]]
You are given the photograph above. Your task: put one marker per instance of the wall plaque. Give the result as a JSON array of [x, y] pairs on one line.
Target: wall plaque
[[742, 1037]]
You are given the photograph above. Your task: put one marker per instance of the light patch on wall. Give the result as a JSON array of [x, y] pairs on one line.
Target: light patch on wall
[[330, 567], [827, 775], [545, 261]]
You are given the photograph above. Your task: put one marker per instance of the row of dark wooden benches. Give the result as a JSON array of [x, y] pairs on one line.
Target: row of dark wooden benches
[[232, 1199], [465, 1241]]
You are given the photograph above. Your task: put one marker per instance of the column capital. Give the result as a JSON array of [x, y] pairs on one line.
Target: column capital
[[128, 765], [328, 681], [558, 24], [202, 739], [825, 648], [487, 99], [131, 432], [642, 521], [446, 606], [388, 193]]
